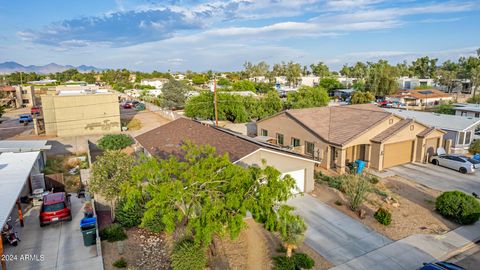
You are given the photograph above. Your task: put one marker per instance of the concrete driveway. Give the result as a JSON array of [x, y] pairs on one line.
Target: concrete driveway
[[334, 235], [58, 246], [439, 178]]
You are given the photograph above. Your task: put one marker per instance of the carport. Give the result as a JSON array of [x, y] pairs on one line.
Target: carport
[[15, 170]]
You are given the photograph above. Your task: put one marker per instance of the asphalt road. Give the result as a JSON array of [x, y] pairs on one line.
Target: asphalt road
[[10, 127]]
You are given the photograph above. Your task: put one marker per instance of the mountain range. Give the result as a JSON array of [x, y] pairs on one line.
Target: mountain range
[[10, 67]]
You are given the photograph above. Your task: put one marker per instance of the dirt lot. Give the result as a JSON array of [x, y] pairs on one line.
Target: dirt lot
[[142, 121], [254, 249], [415, 213]]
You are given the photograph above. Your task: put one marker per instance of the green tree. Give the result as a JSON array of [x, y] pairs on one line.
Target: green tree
[[174, 94], [424, 67], [2, 110], [114, 141], [381, 79], [447, 78], [307, 97], [474, 147], [359, 97], [359, 85], [292, 230], [109, 172], [444, 109], [346, 71], [199, 79], [203, 194], [475, 79], [223, 82], [269, 105], [330, 84], [359, 70], [262, 87], [293, 73], [321, 70], [243, 85]]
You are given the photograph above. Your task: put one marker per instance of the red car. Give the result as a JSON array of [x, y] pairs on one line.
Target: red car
[[35, 110], [55, 208]]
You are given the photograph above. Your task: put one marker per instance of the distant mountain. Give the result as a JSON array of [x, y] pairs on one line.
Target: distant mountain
[[10, 67]]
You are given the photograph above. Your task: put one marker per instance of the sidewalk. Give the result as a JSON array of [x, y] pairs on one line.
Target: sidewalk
[[411, 252]]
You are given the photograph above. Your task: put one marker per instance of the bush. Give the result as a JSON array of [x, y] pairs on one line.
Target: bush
[[356, 189], [188, 256], [303, 261], [115, 142], [383, 216], [112, 233], [373, 179], [474, 147], [456, 205], [120, 263], [129, 216], [297, 261]]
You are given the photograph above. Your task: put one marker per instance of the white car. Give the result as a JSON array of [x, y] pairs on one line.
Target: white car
[[459, 163]]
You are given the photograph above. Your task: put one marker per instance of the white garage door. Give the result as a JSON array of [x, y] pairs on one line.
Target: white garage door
[[299, 177]]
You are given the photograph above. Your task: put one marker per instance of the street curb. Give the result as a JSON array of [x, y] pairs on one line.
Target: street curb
[[458, 251]]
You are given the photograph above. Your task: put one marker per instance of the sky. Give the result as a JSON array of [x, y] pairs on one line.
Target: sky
[[200, 35]]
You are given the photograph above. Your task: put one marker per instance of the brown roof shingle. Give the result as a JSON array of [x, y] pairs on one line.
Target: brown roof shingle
[[421, 94], [340, 124], [389, 132], [167, 139]]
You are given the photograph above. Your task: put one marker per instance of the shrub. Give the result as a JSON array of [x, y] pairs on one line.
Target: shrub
[[188, 256], [303, 261], [129, 216], [356, 189], [474, 147], [338, 202], [283, 263], [373, 179], [115, 142], [383, 216], [112, 233], [456, 205], [120, 263]]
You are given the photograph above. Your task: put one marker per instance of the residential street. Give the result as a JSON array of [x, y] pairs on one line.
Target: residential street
[[333, 234], [10, 127], [439, 178], [61, 244]]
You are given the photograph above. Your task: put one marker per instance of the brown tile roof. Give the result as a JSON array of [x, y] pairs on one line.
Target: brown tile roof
[[421, 94], [426, 132], [7, 88], [389, 132], [339, 124], [167, 139]]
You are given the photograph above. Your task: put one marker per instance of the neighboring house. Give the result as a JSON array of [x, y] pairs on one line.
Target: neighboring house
[[8, 96], [85, 112], [407, 83], [310, 81], [20, 96], [460, 130], [467, 110], [166, 140], [157, 83], [347, 81], [339, 135], [420, 98]]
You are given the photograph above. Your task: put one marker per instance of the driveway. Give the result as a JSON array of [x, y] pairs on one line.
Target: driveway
[[334, 235], [58, 246], [439, 178]]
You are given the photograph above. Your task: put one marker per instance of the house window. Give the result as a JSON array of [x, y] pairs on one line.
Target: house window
[[412, 127], [25, 101], [461, 138], [477, 115], [280, 140], [468, 137], [264, 132], [390, 121], [309, 148], [295, 142], [24, 92], [464, 114]]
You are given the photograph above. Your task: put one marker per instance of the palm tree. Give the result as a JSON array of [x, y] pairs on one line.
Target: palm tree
[[293, 234]]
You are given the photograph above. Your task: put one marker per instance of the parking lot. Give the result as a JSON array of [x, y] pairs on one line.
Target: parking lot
[[57, 246], [439, 178], [10, 127]]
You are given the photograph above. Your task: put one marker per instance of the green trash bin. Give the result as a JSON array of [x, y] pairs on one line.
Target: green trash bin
[[89, 236]]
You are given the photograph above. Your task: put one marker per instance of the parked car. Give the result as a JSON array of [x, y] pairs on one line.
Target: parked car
[[55, 208], [25, 118], [441, 266], [459, 163], [128, 105], [35, 110]]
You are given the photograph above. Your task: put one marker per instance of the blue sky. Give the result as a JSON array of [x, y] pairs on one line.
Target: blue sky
[[221, 35]]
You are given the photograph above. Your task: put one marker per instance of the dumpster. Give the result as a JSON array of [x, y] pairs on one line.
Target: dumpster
[[360, 166], [89, 236]]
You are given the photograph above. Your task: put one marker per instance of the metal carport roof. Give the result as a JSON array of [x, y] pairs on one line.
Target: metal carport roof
[[14, 172]]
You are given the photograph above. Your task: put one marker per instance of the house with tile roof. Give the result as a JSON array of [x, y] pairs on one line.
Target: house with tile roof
[[420, 98], [336, 136], [166, 140]]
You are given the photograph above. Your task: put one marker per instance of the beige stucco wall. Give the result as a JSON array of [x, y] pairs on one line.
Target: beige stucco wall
[[374, 131], [81, 114], [283, 163], [289, 128]]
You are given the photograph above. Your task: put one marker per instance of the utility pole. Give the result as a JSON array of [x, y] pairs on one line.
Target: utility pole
[[215, 99]]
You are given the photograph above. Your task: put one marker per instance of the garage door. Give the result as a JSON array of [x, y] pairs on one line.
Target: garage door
[[397, 153], [299, 177]]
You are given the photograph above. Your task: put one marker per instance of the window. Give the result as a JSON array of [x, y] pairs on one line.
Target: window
[[468, 137], [25, 101], [461, 138], [412, 127], [390, 121], [295, 142], [264, 132], [24, 92], [463, 114], [280, 140], [309, 148], [477, 115]]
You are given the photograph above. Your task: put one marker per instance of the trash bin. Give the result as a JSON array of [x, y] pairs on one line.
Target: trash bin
[[360, 166], [89, 236], [476, 157]]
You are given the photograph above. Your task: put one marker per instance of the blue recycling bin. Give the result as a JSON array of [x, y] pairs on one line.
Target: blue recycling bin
[[88, 223], [476, 157], [360, 166]]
